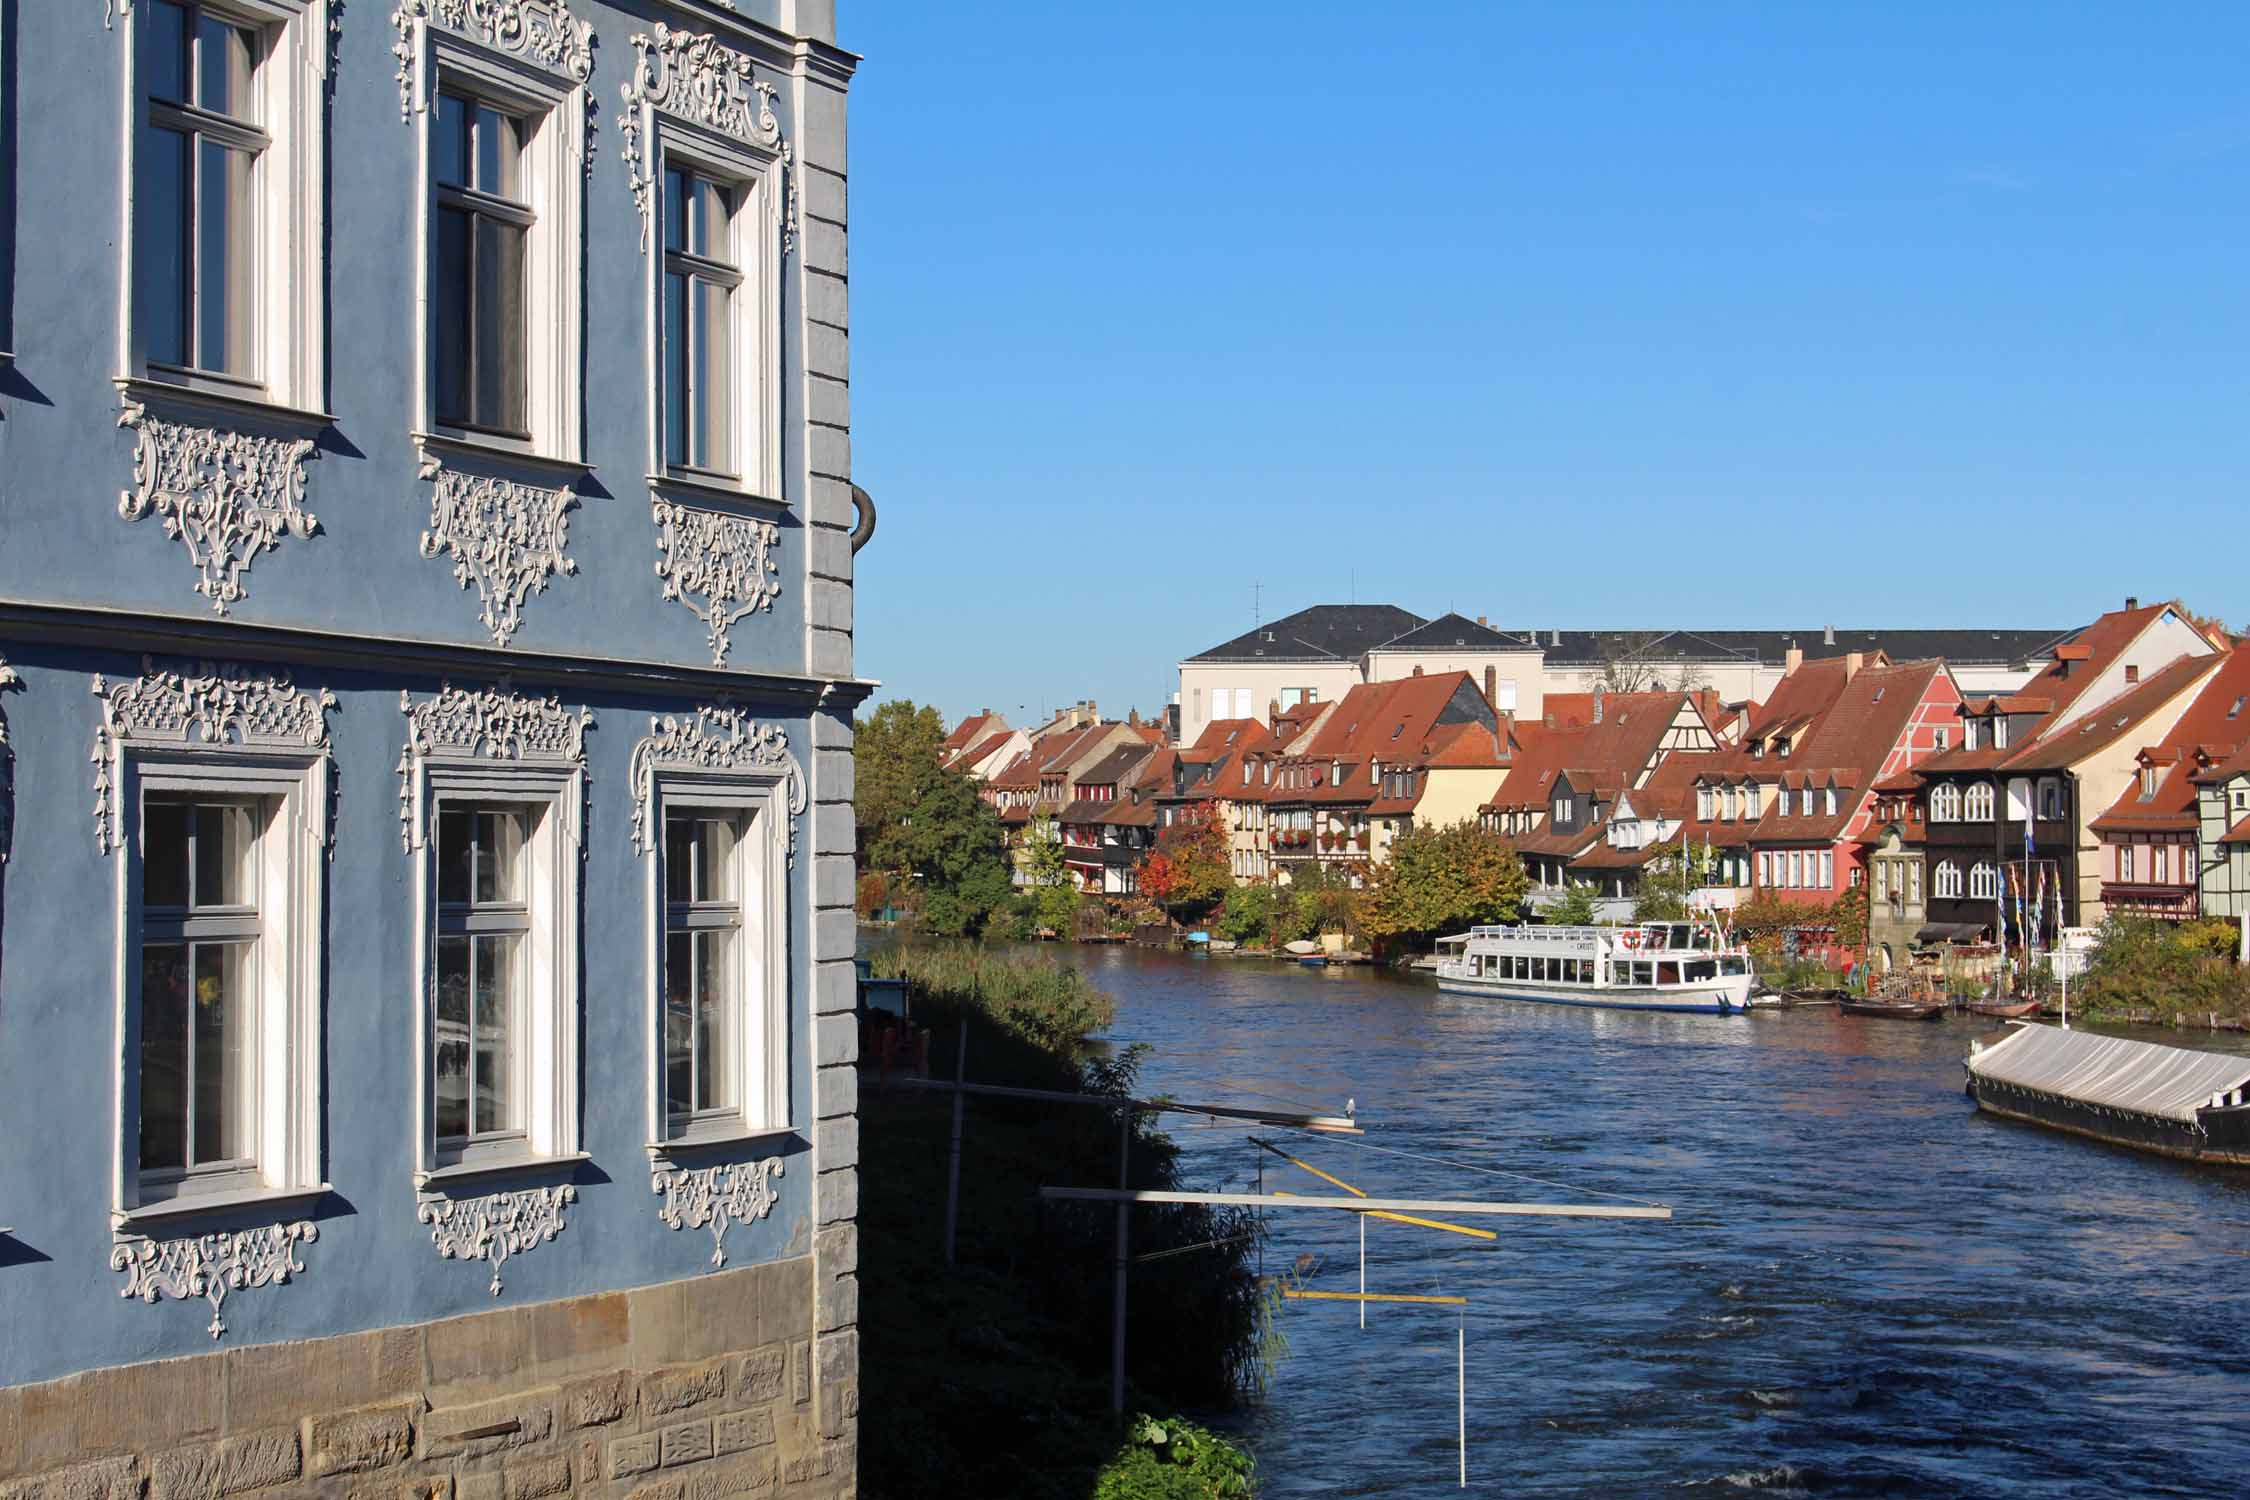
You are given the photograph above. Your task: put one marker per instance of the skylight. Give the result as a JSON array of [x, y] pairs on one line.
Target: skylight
[[2236, 709]]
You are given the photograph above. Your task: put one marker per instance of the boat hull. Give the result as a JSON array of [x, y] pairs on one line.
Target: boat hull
[[2223, 1137], [1721, 997]]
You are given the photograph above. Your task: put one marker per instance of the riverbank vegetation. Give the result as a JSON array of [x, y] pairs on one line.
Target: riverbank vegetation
[[2146, 970], [990, 1375]]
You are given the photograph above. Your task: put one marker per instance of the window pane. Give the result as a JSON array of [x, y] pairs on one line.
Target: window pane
[[675, 210], [677, 395], [450, 315], [164, 854], [160, 244], [714, 864], [498, 152], [222, 67], [453, 1037], [164, 1023], [707, 224], [225, 300], [449, 146], [679, 1023], [499, 856], [495, 995], [222, 855], [714, 1029], [498, 378], [679, 859], [222, 1052], [166, 60], [714, 349], [454, 854]]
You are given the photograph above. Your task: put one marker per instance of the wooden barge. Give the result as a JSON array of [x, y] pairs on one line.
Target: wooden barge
[[2194, 1106]]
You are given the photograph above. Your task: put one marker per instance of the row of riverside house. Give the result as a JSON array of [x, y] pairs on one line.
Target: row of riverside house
[[2110, 774]]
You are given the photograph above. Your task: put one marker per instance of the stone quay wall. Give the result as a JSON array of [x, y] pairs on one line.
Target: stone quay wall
[[690, 1390]]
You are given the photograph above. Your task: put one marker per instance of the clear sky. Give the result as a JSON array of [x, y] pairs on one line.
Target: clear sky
[[1572, 314]]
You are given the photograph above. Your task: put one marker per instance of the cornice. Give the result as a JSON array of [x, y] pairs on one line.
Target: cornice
[[138, 632]]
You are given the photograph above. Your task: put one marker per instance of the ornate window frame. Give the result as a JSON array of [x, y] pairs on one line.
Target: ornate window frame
[[229, 729], [717, 757], [532, 57], [221, 462], [494, 745], [292, 86]]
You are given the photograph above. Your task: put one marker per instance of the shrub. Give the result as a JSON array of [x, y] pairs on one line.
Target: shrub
[[1174, 1460], [2143, 965], [1031, 996]]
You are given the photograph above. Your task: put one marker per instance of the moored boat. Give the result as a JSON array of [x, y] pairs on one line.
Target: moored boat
[[1896, 1010], [2005, 1010], [2168, 1100], [1670, 966]]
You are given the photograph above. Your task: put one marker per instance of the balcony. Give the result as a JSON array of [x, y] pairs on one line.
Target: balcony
[[2174, 903]]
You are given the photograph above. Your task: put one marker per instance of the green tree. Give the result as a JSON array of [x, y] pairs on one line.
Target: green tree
[[1440, 880], [1575, 909], [895, 763], [950, 842], [1248, 914], [1670, 880], [1322, 899], [1054, 895]]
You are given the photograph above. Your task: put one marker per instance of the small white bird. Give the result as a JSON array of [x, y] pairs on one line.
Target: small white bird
[[1351, 1108]]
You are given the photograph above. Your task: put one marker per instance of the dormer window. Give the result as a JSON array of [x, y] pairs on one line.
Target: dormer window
[[2148, 782], [1781, 802], [1828, 802], [2132, 672], [1969, 734], [1781, 748], [2000, 733]]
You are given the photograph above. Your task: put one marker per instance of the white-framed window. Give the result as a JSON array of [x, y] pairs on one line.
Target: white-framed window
[[501, 226], [2050, 798], [2125, 861], [2000, 732], [223, 288], [717, 318], [1828, 801], [222, 920], [1826, 879], [1796, 877], [1704, 803], [1984, 882], [1977, 803], [718, 956], [1781, 801], [497, 965], [1945, 883], [1945, 803], [1937, 739], [1914, 882], [1562, 810], [1970, 734]]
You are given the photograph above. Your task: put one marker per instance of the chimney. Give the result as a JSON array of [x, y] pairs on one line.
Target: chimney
[[1853, 661], [1492, 686], [1133, 717], [1828, 635], [1273, 711], [1791, 660], [1597, 703], [1555, 639], [1417, 670], [2132, 601], [1481, 620]]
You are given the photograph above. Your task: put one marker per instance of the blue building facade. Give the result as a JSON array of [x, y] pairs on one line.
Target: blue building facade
[[426, 534]]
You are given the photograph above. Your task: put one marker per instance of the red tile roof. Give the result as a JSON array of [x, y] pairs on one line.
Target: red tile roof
[[2065, 745], [2217, 723]]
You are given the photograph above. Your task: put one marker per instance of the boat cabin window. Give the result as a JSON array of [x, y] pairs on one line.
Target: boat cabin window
[[1734, 966], [1641, 971]]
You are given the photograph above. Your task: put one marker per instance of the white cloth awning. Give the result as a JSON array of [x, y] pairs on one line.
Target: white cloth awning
[[2142, 1077]]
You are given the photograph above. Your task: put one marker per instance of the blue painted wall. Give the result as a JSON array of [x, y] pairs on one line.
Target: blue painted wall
[[63, 461]]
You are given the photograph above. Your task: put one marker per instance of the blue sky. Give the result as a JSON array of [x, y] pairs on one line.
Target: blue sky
[[1573, 315]]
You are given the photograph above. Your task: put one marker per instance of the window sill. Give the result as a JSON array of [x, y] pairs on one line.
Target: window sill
[[709, 1140], [135, 1223], [437, 1179], [172, 397], [696, 490], [489, 449]]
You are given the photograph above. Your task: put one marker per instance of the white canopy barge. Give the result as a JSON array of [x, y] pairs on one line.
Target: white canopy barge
[[1685, 966]]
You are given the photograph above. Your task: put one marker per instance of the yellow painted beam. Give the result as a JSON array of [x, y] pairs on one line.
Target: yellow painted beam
[[1377, 1213], [1371, 1297]]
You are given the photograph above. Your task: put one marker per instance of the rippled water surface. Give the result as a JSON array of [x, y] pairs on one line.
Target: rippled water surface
[[1867, 1289]]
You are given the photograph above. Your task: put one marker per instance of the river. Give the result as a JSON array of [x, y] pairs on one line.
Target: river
[[1866, 1289]]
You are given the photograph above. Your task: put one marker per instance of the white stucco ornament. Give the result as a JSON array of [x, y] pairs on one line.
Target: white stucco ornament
[[720, 1197], [212, 705], [494, 1226], [506, 539], [226, 496], [483, 724], [212, 1265], [696, 78], [719, 737], [721, 567], [541, 32]]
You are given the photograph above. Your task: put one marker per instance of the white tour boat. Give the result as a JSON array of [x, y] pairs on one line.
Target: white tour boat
[[1644, 966]]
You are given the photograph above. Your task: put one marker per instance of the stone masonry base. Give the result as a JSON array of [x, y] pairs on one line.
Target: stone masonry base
[[692, 1390]]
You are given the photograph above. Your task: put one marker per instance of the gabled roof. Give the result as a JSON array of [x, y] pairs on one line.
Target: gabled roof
[[1450, 630], [1591, 648], [2216, 723], [1230, 734], [972, 728], [1114, 767], [1325, 632], [2067, 744]]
